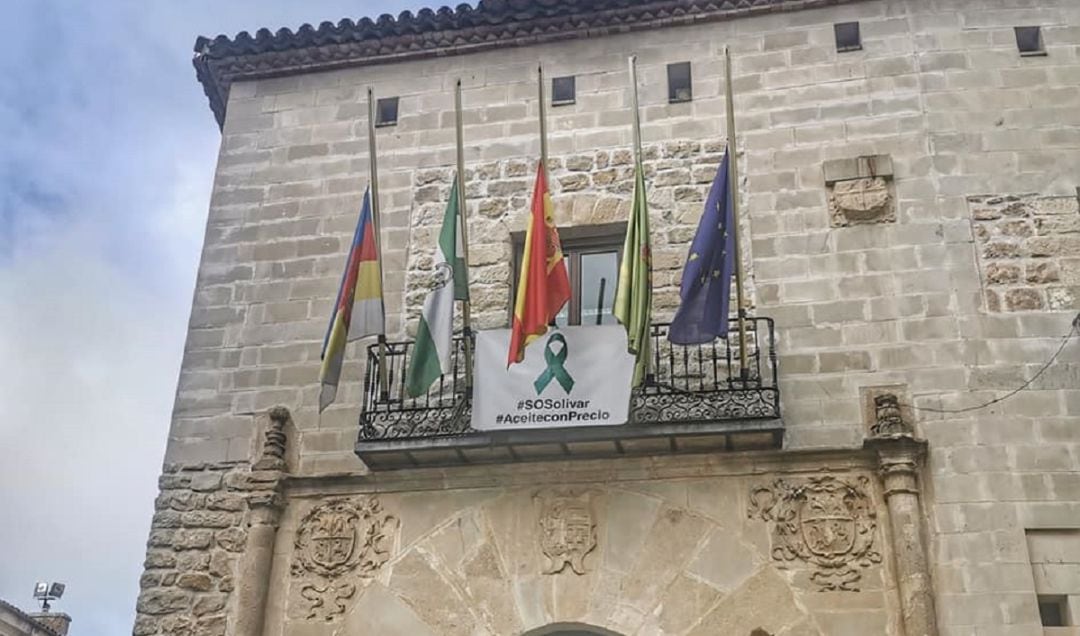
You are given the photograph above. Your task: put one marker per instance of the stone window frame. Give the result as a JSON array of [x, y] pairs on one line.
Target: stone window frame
[[678, 93], [558, 84], [576, 240], [1029, 41], [848, 36], [1054, 610], [384, 106], [1067, 603]]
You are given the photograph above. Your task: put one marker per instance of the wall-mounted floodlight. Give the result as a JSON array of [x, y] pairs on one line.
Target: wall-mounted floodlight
[[46, 592]]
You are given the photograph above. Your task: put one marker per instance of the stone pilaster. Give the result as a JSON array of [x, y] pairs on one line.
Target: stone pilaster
[[253, 572], [265, 505], [899, 459]]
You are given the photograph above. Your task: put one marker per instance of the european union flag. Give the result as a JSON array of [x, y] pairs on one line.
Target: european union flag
[[706, 280]]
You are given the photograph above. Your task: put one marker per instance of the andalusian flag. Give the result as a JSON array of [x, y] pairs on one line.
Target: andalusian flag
[[431, 355], [633, 300], [543, 285], [358, 311]]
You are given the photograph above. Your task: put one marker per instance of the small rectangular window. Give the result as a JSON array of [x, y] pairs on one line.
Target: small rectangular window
[[386, 111], [848, 37], [563, 91], [1054, 611], [680, 86], [1029, 40]]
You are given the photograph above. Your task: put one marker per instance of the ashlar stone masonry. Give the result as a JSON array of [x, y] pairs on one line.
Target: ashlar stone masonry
[[946, 280], [587, 189]]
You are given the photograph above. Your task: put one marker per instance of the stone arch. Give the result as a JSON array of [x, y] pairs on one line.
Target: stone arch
[[570, 629]]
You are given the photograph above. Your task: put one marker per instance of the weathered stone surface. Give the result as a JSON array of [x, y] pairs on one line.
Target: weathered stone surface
[[209, 604], [159, 559], [1002, 274], [195, 581], [163, 601], [733, 615], [1028, 243], [192, 539]]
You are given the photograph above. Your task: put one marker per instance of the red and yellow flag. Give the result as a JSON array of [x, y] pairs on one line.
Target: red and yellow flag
[[358, 311], [543, 285]]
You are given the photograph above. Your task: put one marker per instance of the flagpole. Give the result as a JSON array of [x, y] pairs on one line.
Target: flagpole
[[733, 187], [384, 385], [543, 121], [634, 104], [639, 167], [463, 216]]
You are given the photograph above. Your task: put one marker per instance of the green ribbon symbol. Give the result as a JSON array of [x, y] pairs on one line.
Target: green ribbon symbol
[[555, 369]]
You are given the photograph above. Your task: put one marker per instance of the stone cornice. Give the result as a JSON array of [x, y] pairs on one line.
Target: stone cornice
[[626, 469], [429, 33]]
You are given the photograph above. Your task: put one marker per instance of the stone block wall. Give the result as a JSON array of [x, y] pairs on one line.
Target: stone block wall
[[854, 305], [938, 87], [196, 535], [587, 189], [1029, 251], [694, 549]]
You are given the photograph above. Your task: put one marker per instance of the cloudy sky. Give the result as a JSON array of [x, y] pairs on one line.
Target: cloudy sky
[[107, 152]]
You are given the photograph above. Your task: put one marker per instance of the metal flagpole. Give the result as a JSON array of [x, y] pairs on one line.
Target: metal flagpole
[[463, 220], [733, 187], [637, 114], [638, 165], [543, 121], [384, 384]]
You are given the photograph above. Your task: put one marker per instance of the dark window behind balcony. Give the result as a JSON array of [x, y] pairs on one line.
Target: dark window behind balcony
[[592, 260]]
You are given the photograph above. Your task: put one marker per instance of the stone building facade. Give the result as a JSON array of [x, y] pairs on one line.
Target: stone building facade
[[15, 622], [910, 223]]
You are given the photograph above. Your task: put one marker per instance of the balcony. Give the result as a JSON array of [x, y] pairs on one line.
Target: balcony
[[696, 399]]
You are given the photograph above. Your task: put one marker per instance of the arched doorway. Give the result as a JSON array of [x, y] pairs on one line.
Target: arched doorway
[[571, 629]]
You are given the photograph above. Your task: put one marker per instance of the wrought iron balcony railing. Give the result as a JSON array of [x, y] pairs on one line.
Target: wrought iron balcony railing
[[687, 385]]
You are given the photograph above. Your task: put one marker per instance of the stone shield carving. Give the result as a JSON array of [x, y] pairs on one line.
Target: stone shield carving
[[826, 522], [865, 200], [339, 538], [567, 530]]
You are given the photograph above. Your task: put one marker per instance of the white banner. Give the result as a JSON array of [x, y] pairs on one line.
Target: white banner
[[574, 376]]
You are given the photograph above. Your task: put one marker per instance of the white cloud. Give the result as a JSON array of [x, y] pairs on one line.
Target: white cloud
[[90, 364], [105, 177]]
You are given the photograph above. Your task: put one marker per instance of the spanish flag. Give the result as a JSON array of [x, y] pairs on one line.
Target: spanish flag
[[358, 311], [543, 285]]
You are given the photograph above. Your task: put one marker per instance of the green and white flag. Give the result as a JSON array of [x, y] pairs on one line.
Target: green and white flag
[[633, 297], [432, 354]]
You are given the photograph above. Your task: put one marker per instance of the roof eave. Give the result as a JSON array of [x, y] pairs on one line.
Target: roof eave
[[222, 61]]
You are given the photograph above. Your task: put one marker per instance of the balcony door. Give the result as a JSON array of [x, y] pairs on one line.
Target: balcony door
[[593, 254]]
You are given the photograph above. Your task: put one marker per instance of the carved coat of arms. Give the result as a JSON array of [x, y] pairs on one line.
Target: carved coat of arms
[[335, 539], [864, 200], [567, 530], [826, 522]]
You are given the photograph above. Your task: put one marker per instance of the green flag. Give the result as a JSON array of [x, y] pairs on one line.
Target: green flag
[[633, 300], [433, 352]]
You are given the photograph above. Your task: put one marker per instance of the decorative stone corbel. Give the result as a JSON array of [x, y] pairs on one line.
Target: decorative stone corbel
[[265, 505], [900, 455], [274, 441]]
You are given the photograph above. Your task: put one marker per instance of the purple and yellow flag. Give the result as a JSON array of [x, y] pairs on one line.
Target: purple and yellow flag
[[358, 311]]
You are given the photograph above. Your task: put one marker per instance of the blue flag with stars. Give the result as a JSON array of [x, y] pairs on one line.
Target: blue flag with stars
[[706, 280]]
